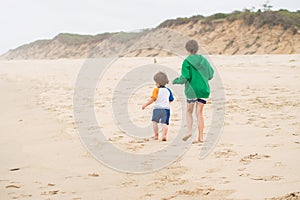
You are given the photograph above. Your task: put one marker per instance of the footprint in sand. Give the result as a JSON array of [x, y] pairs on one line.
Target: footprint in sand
[[273, 145], [223, 180], [247, 159], [183, 194], [290, 196], [48, 185], [21, 196], [94, 175], [244, 175], [225, 145], [12, 186], [134, 148], [138, 141], [269, 135], [242, 169], [197, 191], [51, 192], [224, 153], [149, 195], [129, 184], [213, 170], [267, 178]]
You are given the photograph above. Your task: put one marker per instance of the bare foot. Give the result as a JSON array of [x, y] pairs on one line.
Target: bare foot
[[197, 142], [155, 137], [185, 138]]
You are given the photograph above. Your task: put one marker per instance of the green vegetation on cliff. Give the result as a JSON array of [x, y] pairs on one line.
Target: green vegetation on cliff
[[257, 18]]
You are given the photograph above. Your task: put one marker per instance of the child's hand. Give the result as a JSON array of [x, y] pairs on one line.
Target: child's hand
[[148, 103]]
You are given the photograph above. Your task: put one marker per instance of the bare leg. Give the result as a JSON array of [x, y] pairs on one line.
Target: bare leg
[[199, 112], [189, 120], [155, 129], [164, 132]]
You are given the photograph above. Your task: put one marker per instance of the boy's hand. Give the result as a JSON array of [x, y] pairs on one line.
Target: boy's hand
[[148, 103]]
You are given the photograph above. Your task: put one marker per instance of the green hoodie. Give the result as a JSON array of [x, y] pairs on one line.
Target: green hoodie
[[195, 74]]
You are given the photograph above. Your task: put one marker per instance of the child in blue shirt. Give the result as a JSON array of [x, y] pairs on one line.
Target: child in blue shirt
[[162, 96]]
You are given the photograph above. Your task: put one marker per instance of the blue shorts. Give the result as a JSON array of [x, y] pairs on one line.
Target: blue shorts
[[161, 116], [199, 100]]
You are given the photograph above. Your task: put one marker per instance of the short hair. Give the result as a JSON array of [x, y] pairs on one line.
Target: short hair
[[161, 78], [192, 46]]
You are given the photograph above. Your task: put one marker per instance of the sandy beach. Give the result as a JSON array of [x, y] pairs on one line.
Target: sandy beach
[[256, 157]]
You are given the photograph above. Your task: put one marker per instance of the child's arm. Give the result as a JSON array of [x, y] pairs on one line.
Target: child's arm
[[185, 74], [151, 100], [171, 97]]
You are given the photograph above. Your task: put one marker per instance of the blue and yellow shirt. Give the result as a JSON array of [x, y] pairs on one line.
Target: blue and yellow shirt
[[162, 97]]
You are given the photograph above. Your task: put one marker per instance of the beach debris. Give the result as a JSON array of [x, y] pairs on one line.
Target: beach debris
[[14, 169], [94, 175]]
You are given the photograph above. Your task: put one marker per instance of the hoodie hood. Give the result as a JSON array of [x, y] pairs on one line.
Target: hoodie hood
[[195, 60]]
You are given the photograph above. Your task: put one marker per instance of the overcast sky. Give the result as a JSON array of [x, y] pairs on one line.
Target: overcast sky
[[24, 21]]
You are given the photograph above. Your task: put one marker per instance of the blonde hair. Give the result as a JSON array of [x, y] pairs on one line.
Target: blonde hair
[[192, 46], [161, 78]]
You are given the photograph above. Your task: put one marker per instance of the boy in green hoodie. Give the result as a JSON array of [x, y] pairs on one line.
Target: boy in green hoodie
[[195, 74]]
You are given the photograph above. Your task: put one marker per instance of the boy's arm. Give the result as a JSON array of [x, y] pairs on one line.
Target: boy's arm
[[148, 103], [152, 99], [185, 74], [171, 97]]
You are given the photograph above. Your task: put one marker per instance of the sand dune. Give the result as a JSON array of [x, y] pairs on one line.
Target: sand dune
[[256, 157]]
